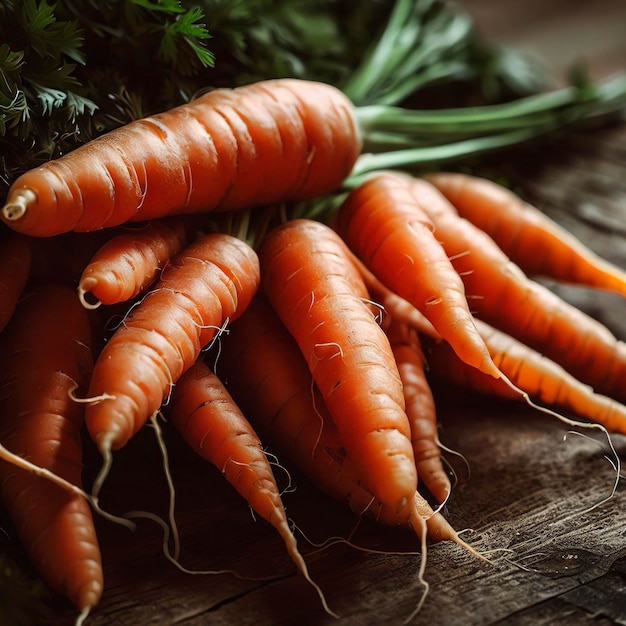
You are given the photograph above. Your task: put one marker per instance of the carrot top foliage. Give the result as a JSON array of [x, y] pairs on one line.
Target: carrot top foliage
[[75, 69]]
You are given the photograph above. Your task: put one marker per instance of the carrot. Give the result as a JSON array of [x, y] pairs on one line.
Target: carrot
[[526, 235], [503, 296], [311, 283], [420, 408], [271, 141], [208, 283], [286, 409], [15, 259], [384, 223], [126, 264], [45, 353], [207, 417], [532, 372]]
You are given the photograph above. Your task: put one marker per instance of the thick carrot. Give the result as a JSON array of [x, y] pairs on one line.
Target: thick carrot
[[384, 223], [212, 424], [311, 283], [126, 264], [543, 379], [285, 407], [15, 259], [271, 141], [45, 353], [208, 283], [420, 408], [526, 235], [502, 295]]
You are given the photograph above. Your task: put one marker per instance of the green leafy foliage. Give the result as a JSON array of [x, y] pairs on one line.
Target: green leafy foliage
[[74, 69], [68, 71]]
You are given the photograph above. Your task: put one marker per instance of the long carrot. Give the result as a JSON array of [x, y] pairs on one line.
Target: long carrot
[[45, 353], [209, 282], [383, 222], [271, 141], [502, 295], [285, 407], [526, 235], [310, 281], [212, 424], [420, 408], [15, 260], [543, 379], [126, 264]]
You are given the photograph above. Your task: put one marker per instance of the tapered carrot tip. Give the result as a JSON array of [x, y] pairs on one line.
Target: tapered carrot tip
[[17, 206], [439, 529], [89, 596], [84, 289]]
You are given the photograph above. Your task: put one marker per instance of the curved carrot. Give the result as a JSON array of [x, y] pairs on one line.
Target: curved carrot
[[210, 282], [15, 260], [45, 353], [540, 377], [272, 141], [284, 406], [384, 223], [526, 235], [126, 264], [310, 281], [505, 297], [212, 424], [420, 408]]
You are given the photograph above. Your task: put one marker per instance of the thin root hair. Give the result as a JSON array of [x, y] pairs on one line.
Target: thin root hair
[[170, 483]]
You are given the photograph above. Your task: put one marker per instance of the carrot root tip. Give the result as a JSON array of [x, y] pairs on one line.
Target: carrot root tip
[[82, 616], [15, 209], [84, 288]]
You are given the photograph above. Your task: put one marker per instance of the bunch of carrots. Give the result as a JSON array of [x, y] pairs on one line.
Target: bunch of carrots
[[187, 224]]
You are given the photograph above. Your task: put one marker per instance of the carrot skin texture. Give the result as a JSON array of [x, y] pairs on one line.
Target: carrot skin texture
[[212, 424], [310, 282], [272, 141], [503, 296], [284, 406], [420, 408], [45, 352], [526, 235], [15, 262], [210, 281], [384, 223], [126, 264], [540, 377]]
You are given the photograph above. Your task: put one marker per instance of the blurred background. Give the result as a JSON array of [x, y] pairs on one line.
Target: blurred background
[[559, 31]]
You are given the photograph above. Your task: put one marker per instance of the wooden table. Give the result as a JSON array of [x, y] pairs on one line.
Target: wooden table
[[526, 502]]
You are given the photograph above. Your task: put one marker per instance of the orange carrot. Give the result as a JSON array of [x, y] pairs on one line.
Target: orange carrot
[[384, 223], [272, 141], [207, 284], [15, 259], [126, 264], [420, 408], [543, 379], [45, 353], [526, 235], [505, 297], [310, 282], [207, 417], [285, 407]]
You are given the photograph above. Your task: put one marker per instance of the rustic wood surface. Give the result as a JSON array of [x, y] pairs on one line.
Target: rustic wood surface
[[526, 502]]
